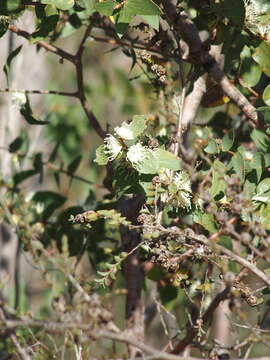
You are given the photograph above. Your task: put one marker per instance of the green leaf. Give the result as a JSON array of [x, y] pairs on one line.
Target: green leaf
[[142, 7], [132, 130], [207, 221], [23, 175], [225, 241], [266, 95], [264, 213], [38, 166], [50, 200], [212, 147], [218, 183], [60, 4], [137, 7], [238, 165], [106, 7], [147, 161], [258, 163], [10, 58], [89, 5], [9, 6], [49, 18], [125, 181], [101, 157], [27, 113], [143, 159], [263, 186], [262, 55], [15, 145], [228, 140], [250, 71], [260, 139], [236, 13], [3, 27], [73, 166], [166, 160], [152, 20]]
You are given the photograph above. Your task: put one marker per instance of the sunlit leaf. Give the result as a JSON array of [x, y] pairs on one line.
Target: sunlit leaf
[[212, 147], [228, 140], [101, 157], [261, 140], [132, 130], [266, 95], [60, 4], [261, 56]]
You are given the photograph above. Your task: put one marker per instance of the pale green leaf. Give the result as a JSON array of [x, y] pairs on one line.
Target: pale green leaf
[[132, 130], [207, 221], [218, 183], [152, 20], [266, 95], [167, 160], [106, 7], [227, 140], [262, 55], [142, 159], [137, 7], [258, 163], [101, 157], [60, 4], [238, 165], [261, 140], [212, 147], [263, 186]]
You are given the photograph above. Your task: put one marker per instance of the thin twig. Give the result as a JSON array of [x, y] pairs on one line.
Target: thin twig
[[80, 84], [206, 318], [21, 351], [49, 47], [40, 92]]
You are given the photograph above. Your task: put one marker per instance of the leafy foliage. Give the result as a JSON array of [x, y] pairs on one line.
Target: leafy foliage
[[165, 202]]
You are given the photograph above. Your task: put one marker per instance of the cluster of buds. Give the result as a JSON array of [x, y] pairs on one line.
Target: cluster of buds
[[152, 64]]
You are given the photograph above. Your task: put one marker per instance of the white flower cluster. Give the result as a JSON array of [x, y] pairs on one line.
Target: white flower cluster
[[182, 197], [255, 10], [112, 147]]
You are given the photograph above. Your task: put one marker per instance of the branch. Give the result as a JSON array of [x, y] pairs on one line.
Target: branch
[[193, 100], [40, 92], [206, 318], [77, 61], [20, 350], [80, 83], [49, 47], [188, 31], [221, 249]]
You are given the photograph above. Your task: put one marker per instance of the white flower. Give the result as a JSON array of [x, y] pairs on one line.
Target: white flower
[[255, 11], [182, 197], [137, 153], [182, 181], [112, 147], [18, 98], [124, 131]]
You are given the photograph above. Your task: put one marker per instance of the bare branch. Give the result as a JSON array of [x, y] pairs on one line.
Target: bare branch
[[80, 83], [206, 318], [40, 92], [49, 47]]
